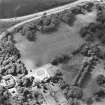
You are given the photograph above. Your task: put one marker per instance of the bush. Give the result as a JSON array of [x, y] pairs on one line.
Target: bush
[[49, 28], [99, 95], [88, 6], [81, 9], [93, 32], [68, 18], [100, 79], [90, 37], [30, 35], [89, 101], [48, 24], [92, 27], [76, 10], [27, 82], [100, 13], [10, 56], [84, 31], [4, 96], [75, 92], [60, 59], [29, 30]]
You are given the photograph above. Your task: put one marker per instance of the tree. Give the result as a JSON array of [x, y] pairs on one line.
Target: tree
[[48, 28], [88, 6], [59, 73], [100, 94], [90, 37], [100, 79], [75, 92], [30, 35], [100, 54], [45, 20], [29, 30], [76, 10], [60, 59], [68, 18], [55, 61], [4, 96], [92, 27], [21, 69], [101, 13], [48, 24], [74, 102], [83, 31], [89, 101], [84, 50], [27, 82]]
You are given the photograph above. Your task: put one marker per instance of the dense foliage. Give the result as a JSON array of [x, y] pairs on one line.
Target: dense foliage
[[75, 92], [95, 30], [29, 30], [4, 96], [100, 79], [10, 60], [48, 23], [99, 95], [60, 59]]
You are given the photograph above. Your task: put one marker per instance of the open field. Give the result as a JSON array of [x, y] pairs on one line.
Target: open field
[[14, 8], [64, 41]]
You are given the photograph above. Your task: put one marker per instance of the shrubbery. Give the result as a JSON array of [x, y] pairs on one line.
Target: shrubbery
[[29, 30], [100, 79], [99, 95], [4, 96], [25, 82], [75, 92], [68, 18], [27, 95], [48, 24], [89, 101], [95, 31], [10, 60], [60, 59]]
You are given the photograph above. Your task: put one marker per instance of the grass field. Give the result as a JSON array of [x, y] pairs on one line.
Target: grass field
[[65, 40], [12, 8]]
